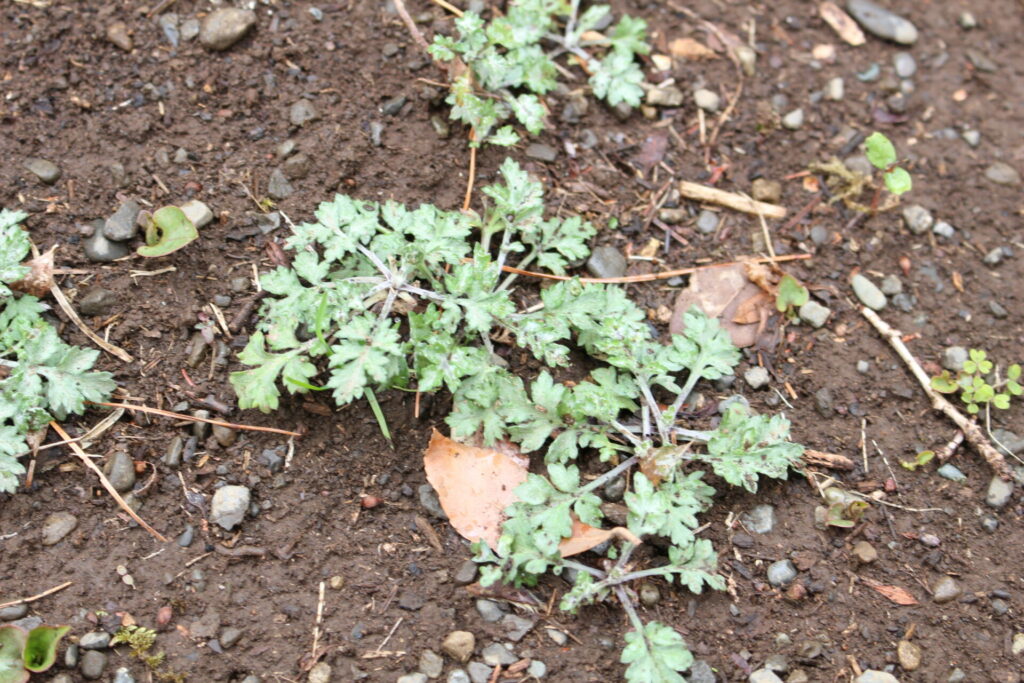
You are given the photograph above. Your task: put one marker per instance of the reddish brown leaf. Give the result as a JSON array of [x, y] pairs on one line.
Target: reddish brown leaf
[[719, 292], [584, 537], [894, 594], [40, 276]]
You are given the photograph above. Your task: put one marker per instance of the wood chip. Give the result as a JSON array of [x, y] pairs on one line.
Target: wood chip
[[732, 200], [841, 23]]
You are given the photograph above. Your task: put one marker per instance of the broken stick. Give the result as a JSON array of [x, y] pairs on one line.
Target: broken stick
[[972, 432], [731, 200]]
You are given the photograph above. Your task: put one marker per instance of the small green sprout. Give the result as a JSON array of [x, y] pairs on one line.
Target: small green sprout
[[168, 230], [882, 155], [791, 296], [920, 460], [973, 385]]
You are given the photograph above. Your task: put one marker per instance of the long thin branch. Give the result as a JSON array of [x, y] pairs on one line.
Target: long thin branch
[[411, 25], [970, 428], [37, 596]]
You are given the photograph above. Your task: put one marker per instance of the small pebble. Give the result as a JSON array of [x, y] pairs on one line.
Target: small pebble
[[301, 113], [945, 589], [57, 525], [1002, 174], [905, 65], [707, 222], [999, 492], [972, 137], [882, 23], [91, 664], [950, 472], [781, 573], [814, 314], [869, 294], [865, 552], [918, 219], [909, 655], [756, 377], [459, 645], [944, 229], [197, 212], [835, 89], [863, 367], [793, 120], [13, 612], [606, 261], [224, 27], [47, 171], [708, 100], [967, 21], [541, 152]]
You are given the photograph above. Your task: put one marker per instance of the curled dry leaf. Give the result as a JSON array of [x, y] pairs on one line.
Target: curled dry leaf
[[40, 276], [474, 485], [841, 23], [688, 48], [726, 293], [584, 537]]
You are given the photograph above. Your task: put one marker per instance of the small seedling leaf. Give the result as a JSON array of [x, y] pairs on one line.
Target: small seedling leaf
[[792, 294], [920, 460], [880, 151], [41, 647], [168, 231], [944, 383], [12, 644], [898, 181]]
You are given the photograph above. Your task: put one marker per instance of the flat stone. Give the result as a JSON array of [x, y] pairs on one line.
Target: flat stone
[[100, 250], [321, 673], [13, 612], [944, 229], [302, 112], [781, 573], [122, 225], [431, 664], [904, 64], [865, 552], [814, 314], [669, 96], [94, 640], [868, 293], [793, 120], [197, 212], [606, 261], [1003, 174], [413, 678], [459, 645], [539, 669], [707, 221], [516, 627], [756, 377], [764, 676], [120, 470], [489, 610], [411, 601], [873, 676], [835, 89], [278, 186], [945, 589], [229, 637], [96, 301], [479, 672], [882, 23], [496, 653], [891, 285], [954, 357], [225, 436], [708, 100], [999, 492], [1017, 645], [117, 34], [458, 676], [465, 574], [58, 525], [92, 664], [918, 219], [764, 190], [541, 152], [950, 472], [229, 506], [909, 655], [297, 166], [224, 27], [701, 672], [47, 171]]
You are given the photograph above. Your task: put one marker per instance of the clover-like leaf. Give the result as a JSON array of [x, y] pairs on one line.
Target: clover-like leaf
[[880, 151]]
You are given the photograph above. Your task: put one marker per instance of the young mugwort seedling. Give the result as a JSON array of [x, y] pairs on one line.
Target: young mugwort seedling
[[972, 382], [382, 296]]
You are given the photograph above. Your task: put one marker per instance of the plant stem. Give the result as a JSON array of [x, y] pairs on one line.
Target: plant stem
[[634, 618], [645, 388], [609, 475], [580, 567], [691, 382], [527, 260], [628, 433]]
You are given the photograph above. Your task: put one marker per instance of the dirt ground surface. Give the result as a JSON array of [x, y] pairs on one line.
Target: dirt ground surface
[[163, 124]]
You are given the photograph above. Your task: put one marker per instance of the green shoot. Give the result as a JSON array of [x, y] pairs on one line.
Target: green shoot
[[882, 155]]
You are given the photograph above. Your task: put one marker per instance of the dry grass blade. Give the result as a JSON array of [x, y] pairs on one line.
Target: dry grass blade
[[106, 483], [37, 596], [650, 277], [193, 418], [65, 306]]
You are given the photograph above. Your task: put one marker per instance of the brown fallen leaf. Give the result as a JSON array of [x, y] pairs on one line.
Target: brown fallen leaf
[[688, 48], [719, 292], [40, 276], [652, 151], [894, 594], [474, 485], [584, 537], [958, 281], [841, 23]]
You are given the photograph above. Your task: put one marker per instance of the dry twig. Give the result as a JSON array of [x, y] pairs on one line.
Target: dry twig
[[37, 596], [106, 483], [65, 306], [193, 418], [970, 428], [737, 202]]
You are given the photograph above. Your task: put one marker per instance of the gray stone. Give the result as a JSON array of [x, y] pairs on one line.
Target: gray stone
[[321, 673], [393, 106], [224, 27], [950, 472], [905, 65], [489, 610], [172, 457], [967, 21], [1008, 442], [778, 663], [764, 190], [863, 367], [101, 250], [814, 314], [858, 163], [997, 309], [558, 637], [1003, 174], [760, 519], [747, 58], [874, 676], [57, 525], [956, 676], [793, 120], [606, 261], [189, 29], [92, 664], [708, 100], [707, 222], [819, 235], [458, 676], [229, 637], [430, 502], [62, 678], [989, 524], [122, 675], [278, 186], [225, 436], [882, 23], [302, 112], [954, 357], [944, 229], [496, 653], [516, 627], [781, 573], [865, 552], [764, 676], [539, 669], [918, 219], [981, 61], [649, 595], [187, 536], [756, 377], [297, 167], [123, 225], [835, 89], [168, 24], [945, 590], [999, 492], [669, 96], [71, 656], [411, 600], [13, 612], [701, 672], [891, 285], [972, 137], [465, 574], [994, 257], [431, 664], [197, 212], [229, 506], [479, 672], [120, 470], [413, 678], [541, 152], [96, 301], [869, 294], [47, 171]]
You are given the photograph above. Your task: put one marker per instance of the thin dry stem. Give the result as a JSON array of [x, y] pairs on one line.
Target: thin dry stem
[[411, 25], [193, 418], [731, 200], [972, 431], [37, 596]]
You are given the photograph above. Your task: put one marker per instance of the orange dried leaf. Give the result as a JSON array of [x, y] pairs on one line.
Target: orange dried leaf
[[958, 281], [841, 23], [719, 292], [894, 594], [474, 485], [584, 537], [688, 48]]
